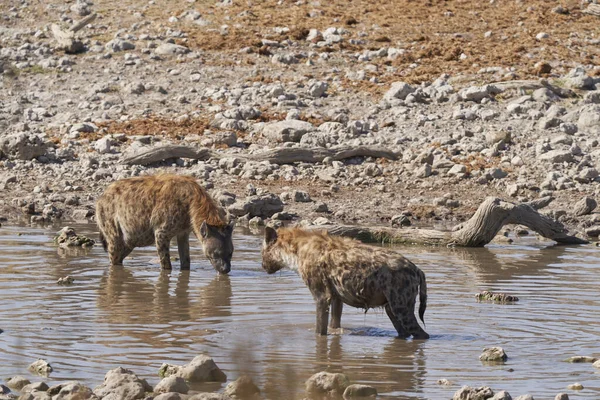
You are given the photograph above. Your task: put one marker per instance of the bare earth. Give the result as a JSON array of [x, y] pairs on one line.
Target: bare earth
[[243, 66]]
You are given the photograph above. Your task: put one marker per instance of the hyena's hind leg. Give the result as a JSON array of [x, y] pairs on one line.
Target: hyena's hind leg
[[162, 247], [396, 322], [401, 301], [337, 307]]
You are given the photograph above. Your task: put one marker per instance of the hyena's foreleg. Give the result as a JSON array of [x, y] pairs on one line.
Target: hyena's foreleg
[[183, 247], [322, 314]]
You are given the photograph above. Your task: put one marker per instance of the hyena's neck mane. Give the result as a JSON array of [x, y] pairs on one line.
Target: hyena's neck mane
[[299, 247], [204, 208]]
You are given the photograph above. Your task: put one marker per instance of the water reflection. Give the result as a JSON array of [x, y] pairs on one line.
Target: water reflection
[[163, 301]]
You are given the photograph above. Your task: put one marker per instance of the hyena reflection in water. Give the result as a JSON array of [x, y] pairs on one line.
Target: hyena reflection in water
[[341, 270], [142, 211]]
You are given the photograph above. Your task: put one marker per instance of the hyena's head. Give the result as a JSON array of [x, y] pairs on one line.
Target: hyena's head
[[272, 257], [217, 245]]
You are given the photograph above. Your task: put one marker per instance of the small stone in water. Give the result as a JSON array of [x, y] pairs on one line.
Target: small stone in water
[[444, 382], [67, 280], [493, 354], [575, 386], [40, 367], [499, 297], [581, 359]]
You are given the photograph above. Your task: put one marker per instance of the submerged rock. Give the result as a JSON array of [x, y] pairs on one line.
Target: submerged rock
[[172, 384], [327, 383], [242, 387], [470, 393], [40, 367], [67, 280], [359, 391], [494, 354], [581, 359], [575, 386], [67, 237], [499, 297]]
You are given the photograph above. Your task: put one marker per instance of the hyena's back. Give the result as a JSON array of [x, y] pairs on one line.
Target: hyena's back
[[133, 208]]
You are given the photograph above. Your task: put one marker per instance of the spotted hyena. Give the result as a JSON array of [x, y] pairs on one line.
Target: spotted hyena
[[340, 270], [142, 211]]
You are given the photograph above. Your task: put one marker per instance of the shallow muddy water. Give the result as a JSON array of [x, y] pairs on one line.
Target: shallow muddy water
[[139, 317]]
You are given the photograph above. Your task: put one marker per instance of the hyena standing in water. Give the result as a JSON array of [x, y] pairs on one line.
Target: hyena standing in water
[[340, 270], [142, 211]]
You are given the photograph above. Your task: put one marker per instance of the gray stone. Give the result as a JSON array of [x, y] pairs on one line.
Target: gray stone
[[263, 206], [227, 138], [243, 387], [578, 79], [287, 131], [325, 383], [172, 384], [561, 396], [34, 395], [502, 395], [103, 146], [17, 382], [317, 89], [359, 391], [84, 127], [597, 363], [300, 196], [557, 156], [398, 90], [23, 146], [589, 116], [470, 393], [458, 170], [202, 369], [40, 386], [117, 45], [493, 354], [585, 206], [74, 391], [592, 97], [122, 384], [170, 396], [171, 49], [478, 93], [525, 397]]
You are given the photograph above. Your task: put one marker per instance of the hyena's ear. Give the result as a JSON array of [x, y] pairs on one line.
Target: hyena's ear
[[270, 235], [204, 229]]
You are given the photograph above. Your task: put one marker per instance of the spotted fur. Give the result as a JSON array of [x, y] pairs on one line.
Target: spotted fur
[[340, 270], [142, 211]]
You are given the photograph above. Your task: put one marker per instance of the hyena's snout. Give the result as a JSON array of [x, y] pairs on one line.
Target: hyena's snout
[[221, 266]]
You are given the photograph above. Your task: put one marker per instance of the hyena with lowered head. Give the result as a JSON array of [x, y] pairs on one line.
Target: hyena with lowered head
[[142, 211], [340, 270]]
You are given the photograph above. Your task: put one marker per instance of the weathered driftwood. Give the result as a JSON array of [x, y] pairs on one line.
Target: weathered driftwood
[[66, 38], [534, 85], [478, 231], [593, 9], [289, 155], [286, 155], [160, 153]]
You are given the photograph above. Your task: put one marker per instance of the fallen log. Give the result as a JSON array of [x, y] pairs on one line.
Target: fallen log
[[66, 38], [160, 153], [289, 155], [285, 155], [593, 9], [478, 231]]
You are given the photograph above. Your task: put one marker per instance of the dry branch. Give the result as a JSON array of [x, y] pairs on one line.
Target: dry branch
[[66, 39], [478, 231], [593, 9], [287, 155], [160, 153]]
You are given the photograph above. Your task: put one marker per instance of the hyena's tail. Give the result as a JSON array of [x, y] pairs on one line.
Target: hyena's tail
[[422, 295], [103, 241]]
